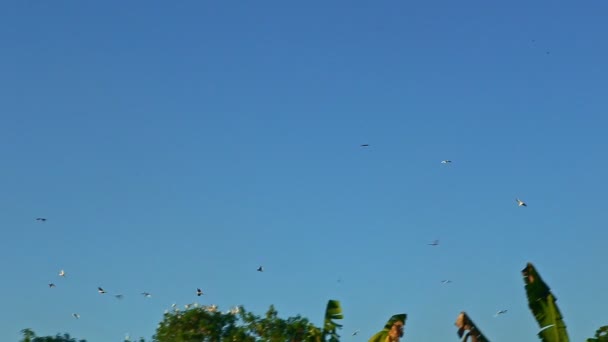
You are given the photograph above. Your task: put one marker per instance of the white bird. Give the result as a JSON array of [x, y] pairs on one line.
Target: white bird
[[521, 203], [77, 316], [446, 161], [62, 273], [500, 313], [100, 290]]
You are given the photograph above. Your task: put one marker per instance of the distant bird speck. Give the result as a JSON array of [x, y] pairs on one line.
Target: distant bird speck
[[434, 243], [261, 269], [521, 203], [446, 162], [62, 273], [500, 313], [364, 145], [118, 296], [41, 219], [446, 281], [355, 332], [100, 290], [199, 292], [77, 316], [51, 285], [146, 294]]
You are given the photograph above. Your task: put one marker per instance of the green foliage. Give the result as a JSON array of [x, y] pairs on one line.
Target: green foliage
[[202, 324], [601, 335], [30, 336], [543, 305], [466, 327], [330, 327], [393, 328]]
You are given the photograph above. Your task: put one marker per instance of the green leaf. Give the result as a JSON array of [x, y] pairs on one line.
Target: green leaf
[[601, 335], [543, 305], [467, 328], [332, 312]]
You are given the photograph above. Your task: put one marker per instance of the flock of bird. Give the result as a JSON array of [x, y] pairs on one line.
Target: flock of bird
[[235, 310], [199, 292]]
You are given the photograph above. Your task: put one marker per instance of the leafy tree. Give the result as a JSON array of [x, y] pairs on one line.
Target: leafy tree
[[393, 330], [30, 336], [543, 305], [207, 324], [601, 335], [464, 323]]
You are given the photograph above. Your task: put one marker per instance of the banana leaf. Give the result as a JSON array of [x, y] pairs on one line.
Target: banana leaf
[[542, 304], [330, 327], [381, 336], [464, 323]]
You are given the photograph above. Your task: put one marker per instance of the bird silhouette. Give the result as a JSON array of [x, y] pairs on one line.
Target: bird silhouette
[[446, 162], [500, 313], [199, 292], [100, 290], [261, 269], [521, 203], [434, 243], [41, 219], [51, 285]]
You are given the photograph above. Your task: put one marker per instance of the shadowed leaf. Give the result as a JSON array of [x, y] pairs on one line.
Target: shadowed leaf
[[467, 328]]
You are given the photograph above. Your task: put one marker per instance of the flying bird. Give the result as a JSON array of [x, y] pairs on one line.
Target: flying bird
[[100, 290], [261, 269], [355, 332], [146, 294], [51, 285], [118, 296], [446, 162], [434, 243], [41, 219], [521, 203], [199, 292], [446, 281], [500, 313], [364, 145], [77, 316], [62, 273]]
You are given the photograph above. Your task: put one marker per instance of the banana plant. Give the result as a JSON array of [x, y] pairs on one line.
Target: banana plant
[[330, 327], [467, 328], [393, 330], [542, 304]]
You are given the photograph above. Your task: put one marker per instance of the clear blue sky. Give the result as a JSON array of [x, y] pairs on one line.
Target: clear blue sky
[[176, 145]]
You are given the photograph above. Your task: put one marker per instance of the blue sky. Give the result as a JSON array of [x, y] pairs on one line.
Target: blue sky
[[180, 145]]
